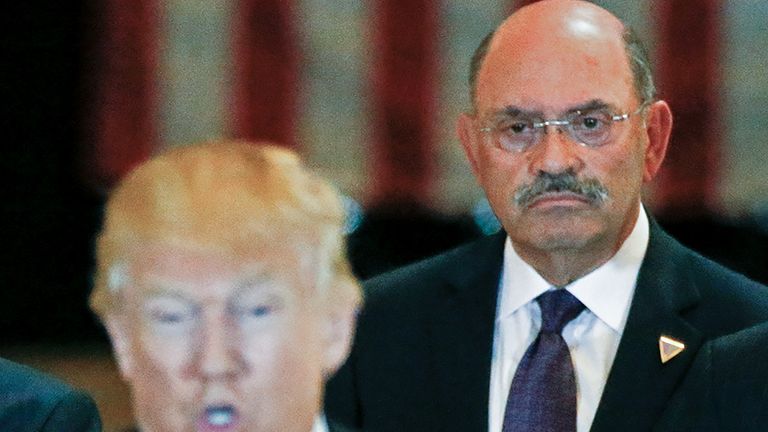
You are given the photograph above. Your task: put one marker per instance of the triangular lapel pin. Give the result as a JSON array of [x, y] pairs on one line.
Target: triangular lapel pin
[[669, 348]]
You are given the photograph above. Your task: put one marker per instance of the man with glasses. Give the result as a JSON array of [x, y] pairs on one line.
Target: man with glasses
[[582, 314]]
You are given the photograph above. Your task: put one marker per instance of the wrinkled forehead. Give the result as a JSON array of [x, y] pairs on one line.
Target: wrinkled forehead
[[203, 273], [551, 61]]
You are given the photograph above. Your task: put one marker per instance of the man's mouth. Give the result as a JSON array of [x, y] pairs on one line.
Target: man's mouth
[[217, 418], [557, 198]]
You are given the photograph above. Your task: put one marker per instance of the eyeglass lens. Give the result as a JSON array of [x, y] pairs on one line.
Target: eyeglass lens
[[590, 128]]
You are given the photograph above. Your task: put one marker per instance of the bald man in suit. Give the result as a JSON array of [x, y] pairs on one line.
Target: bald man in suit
[[564, 130]]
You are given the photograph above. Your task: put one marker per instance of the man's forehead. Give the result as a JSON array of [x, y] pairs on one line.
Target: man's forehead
[[200, 271], [190, 257], [555, 61], [172, 281], [567, 18], [216, 293]]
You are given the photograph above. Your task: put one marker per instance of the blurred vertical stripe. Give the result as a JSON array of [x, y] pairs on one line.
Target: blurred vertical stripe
[[121, 125], [689, 77], [266, 78], [195, 70], [405, 84]]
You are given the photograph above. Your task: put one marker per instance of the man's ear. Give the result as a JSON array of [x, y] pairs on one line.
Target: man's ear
[[465, 130], [658, 127], [340, 329], [119, 335]]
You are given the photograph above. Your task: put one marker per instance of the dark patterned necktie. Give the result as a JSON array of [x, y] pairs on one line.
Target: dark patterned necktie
[[542, 397]]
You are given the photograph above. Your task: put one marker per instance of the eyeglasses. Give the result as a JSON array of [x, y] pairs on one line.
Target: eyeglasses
[[589, 127]]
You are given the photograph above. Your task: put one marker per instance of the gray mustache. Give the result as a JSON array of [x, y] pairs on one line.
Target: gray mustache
[[591, 189]]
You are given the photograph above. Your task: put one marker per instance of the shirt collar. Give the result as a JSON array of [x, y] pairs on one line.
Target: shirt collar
[[521, 284]]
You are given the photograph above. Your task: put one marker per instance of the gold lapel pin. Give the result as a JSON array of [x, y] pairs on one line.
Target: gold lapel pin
[[669, 348]]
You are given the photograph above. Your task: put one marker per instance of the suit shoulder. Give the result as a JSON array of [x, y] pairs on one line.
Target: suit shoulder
[[710, 277], [723, 282], [15, 377], [31, 400], [725, 293], [422, 278], [750, 343]]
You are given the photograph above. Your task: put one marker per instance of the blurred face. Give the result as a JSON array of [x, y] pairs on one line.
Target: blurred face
[[210, 342], [557, 194]]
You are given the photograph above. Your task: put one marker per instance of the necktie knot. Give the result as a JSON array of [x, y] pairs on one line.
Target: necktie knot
[[558, 308]]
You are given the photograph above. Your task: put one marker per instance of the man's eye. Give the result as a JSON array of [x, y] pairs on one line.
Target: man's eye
[[591, 121], [516, 127], [168, 312], [170, 317], [259, 311]]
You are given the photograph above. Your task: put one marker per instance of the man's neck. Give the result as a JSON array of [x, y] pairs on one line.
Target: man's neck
[[561, 266]]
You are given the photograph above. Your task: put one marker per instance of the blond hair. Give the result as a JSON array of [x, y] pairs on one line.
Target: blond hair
[[232, 196]]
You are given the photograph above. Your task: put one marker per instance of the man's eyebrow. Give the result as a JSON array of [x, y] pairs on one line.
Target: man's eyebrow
[[516, 111], [256, 277], [251, 280], [592, 105], [161, 288]]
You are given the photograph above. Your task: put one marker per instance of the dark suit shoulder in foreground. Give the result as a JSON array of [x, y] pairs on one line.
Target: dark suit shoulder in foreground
[[727, 388], [32, 401]]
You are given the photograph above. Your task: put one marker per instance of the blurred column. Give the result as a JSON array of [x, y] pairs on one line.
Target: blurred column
[[688, 71], [121, 124], [404, 90], [266, 60]]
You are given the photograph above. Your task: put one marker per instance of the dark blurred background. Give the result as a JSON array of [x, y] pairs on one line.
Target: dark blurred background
[[48, 216], [53, 91]]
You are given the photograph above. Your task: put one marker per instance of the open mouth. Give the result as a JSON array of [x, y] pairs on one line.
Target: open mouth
[[218, 418]]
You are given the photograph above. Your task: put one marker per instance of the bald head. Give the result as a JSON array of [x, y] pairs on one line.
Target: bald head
[[534, 29]]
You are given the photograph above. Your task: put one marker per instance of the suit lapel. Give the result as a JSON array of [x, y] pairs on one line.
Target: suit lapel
[[335, 427], [639, 385], [461, 326]]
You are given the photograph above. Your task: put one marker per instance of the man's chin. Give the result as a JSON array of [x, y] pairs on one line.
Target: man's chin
[[559, 235], [562, 243]]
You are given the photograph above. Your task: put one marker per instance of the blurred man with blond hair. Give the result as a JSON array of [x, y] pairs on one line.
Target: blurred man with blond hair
[[223, 283]]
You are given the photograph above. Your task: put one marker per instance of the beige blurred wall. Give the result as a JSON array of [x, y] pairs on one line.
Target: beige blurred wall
[[334, 113]]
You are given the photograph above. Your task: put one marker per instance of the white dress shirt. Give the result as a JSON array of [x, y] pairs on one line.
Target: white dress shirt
[[592, 337], [321, 425]]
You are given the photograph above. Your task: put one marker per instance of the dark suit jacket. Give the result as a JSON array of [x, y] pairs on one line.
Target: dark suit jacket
[[422, 353], [727, 387], [31, 401], [332, 427], [337, 427]]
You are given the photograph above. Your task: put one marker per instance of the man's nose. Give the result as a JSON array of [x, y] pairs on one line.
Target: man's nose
[[556, 152], [218, 354]]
